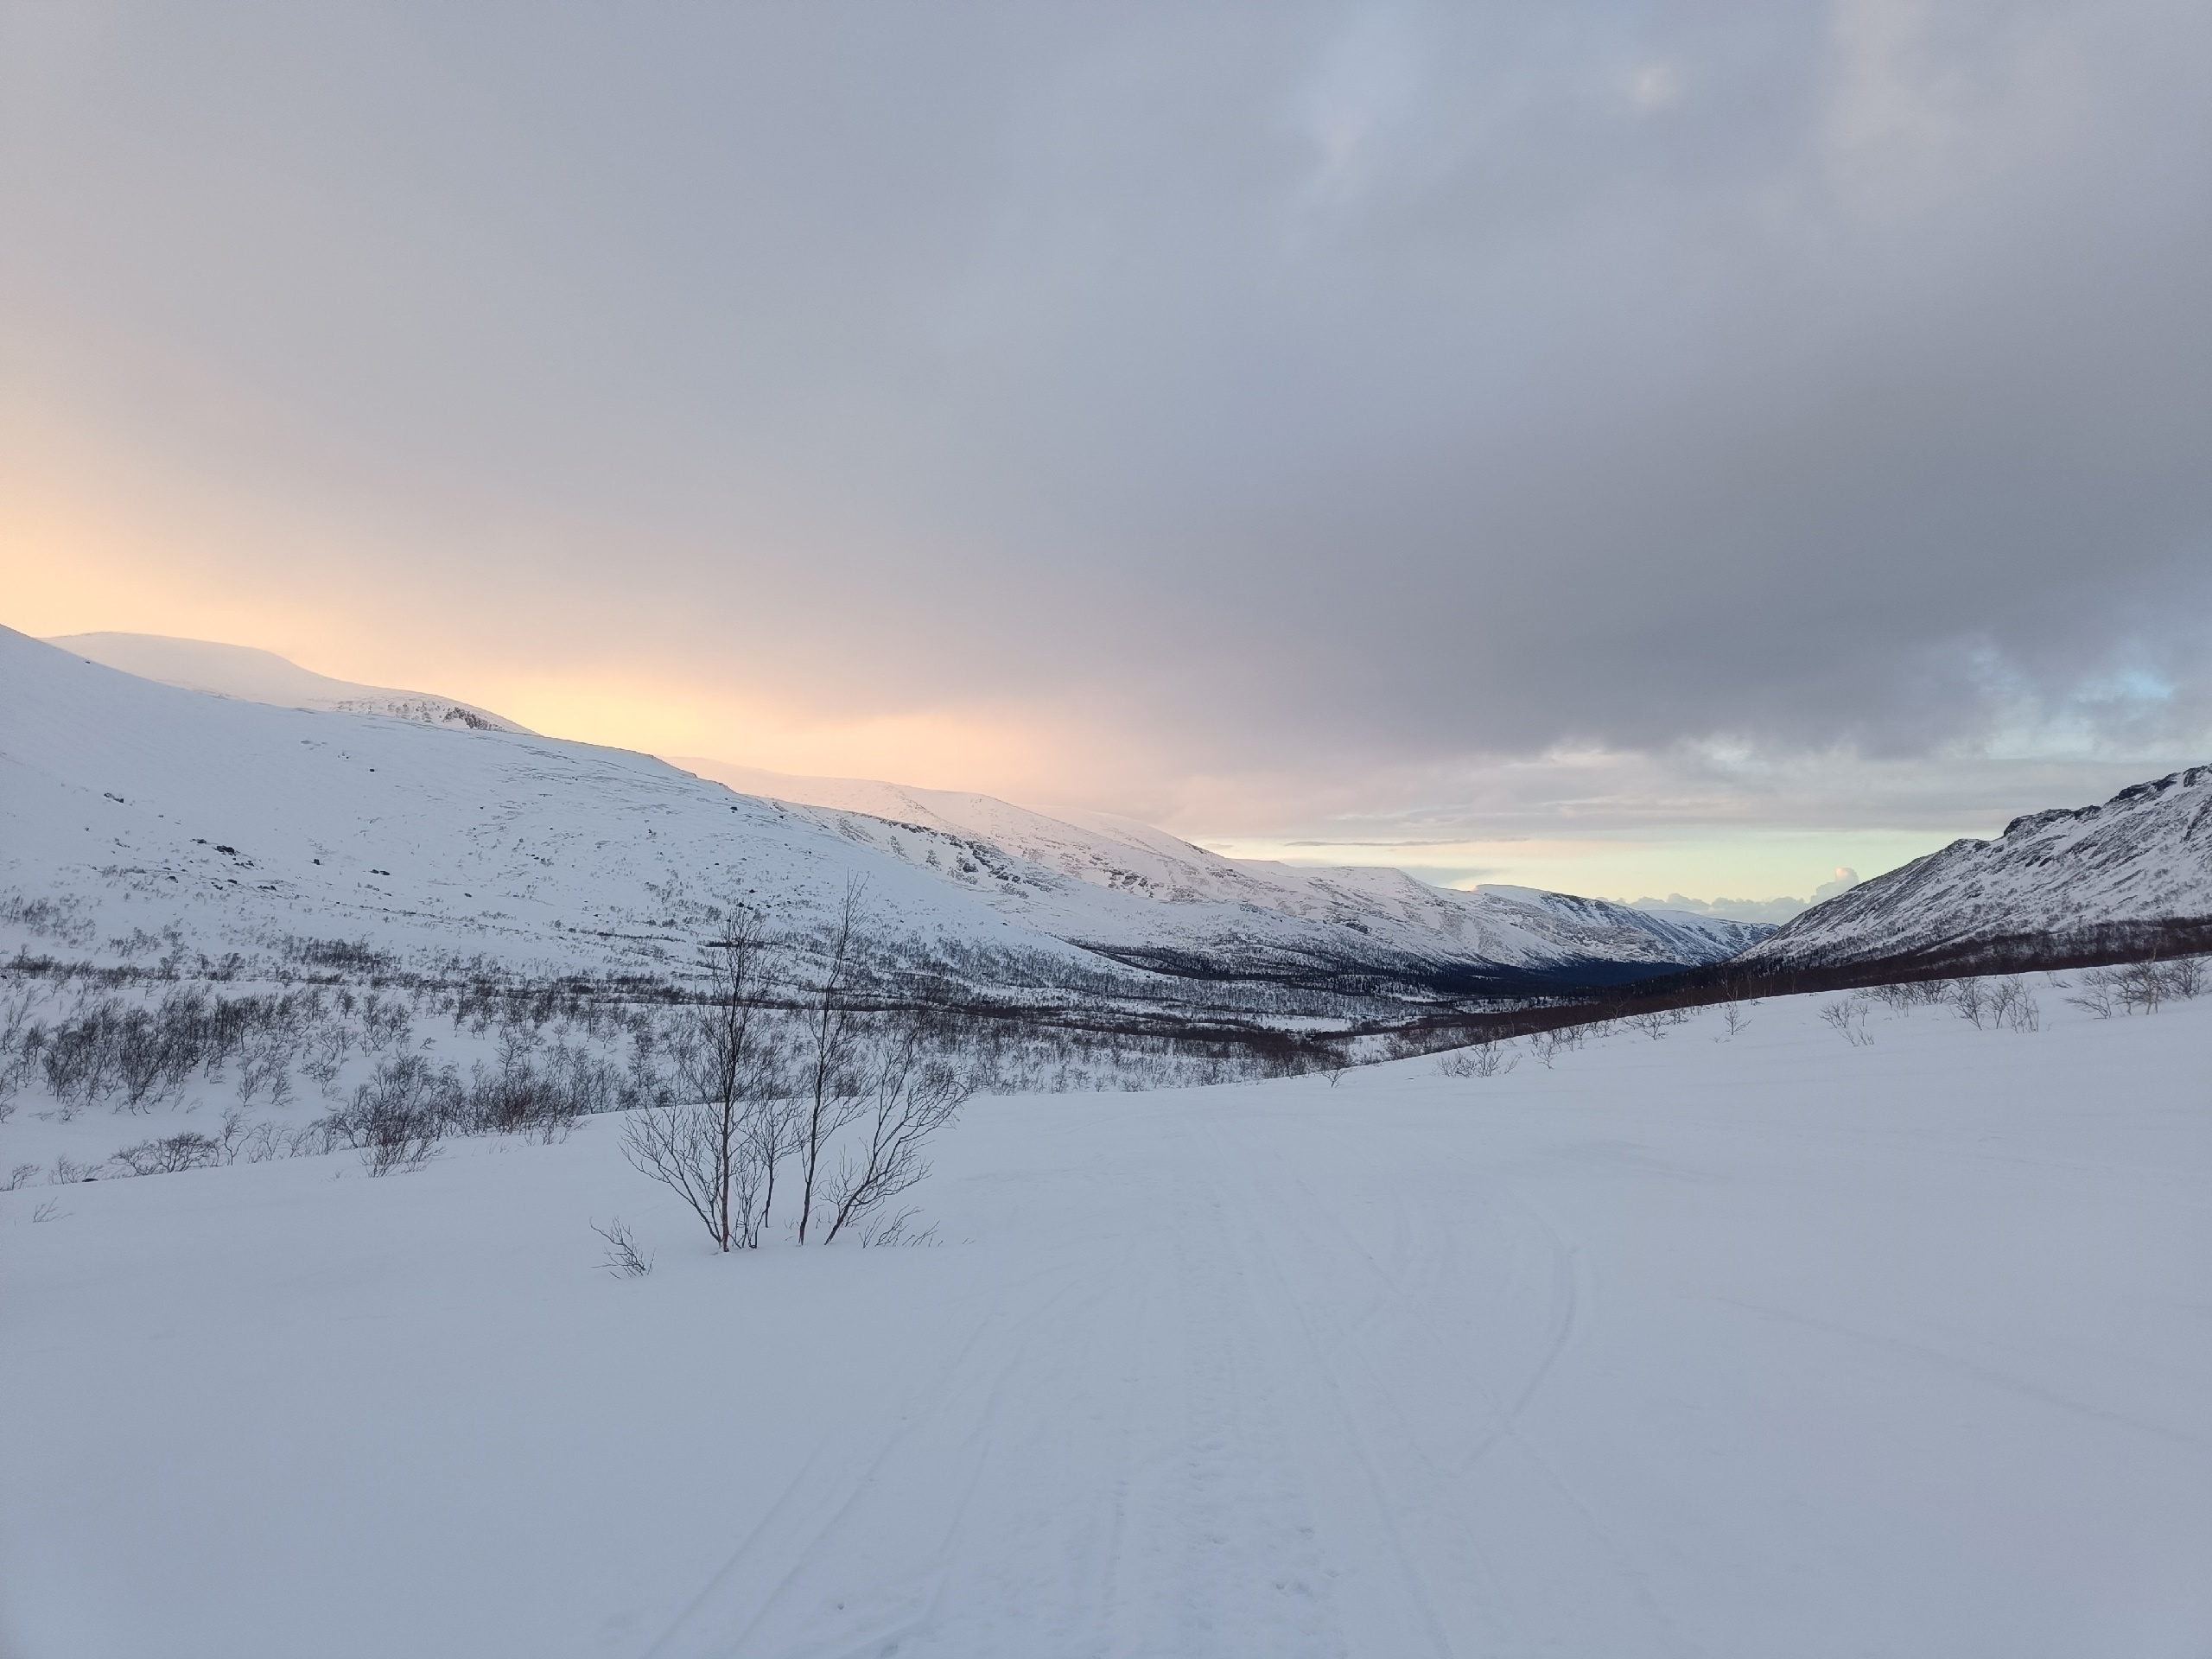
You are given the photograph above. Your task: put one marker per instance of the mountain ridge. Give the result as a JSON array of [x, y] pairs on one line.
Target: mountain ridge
[[255, 675], [235, 821], [2132, 874]]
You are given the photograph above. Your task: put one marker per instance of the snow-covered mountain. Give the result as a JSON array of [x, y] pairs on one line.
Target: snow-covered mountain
[[253, 676], [2136, 871], [136, 813], [131, 811], [1200, 912]]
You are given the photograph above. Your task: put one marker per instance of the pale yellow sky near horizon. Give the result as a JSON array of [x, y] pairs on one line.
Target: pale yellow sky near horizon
[[78, 559], [984, 750]]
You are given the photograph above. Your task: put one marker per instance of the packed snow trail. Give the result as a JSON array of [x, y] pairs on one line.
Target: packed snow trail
[[1776, 1346]]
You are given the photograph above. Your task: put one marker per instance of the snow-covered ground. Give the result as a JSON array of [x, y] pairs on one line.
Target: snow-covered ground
[[1775, 1345]]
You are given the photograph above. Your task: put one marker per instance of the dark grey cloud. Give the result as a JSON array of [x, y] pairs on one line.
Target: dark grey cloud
[[1305, 385]]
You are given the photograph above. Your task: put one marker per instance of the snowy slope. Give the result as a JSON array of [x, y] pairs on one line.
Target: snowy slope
[[132, 808], [238, 825], [263, 677], [2056, 882], [1772, 1347], [1266, 916]]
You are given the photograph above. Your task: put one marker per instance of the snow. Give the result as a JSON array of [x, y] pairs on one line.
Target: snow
[[1775, 1345], [2059, 878], [239, 824], [263, 677], [143, 808], [1259, 912]]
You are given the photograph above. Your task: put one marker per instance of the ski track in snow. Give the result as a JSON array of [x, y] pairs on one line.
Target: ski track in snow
[[1690, 1348]]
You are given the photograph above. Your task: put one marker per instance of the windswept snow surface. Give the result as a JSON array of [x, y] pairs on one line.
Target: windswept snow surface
[[1774, 1347]]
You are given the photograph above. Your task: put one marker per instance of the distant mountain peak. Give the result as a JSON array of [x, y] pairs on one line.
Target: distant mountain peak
[[2063, 883]]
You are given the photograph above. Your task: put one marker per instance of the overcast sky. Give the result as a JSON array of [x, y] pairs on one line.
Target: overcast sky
[[1629, 446]]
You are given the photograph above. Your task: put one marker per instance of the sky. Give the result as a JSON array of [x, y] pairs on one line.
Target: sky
[[1629, 447]]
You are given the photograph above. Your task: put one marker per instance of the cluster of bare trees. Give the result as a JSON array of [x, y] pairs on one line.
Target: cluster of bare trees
[[1487, 1057], [786, 1066], [2139, 987], [1986, 1001]]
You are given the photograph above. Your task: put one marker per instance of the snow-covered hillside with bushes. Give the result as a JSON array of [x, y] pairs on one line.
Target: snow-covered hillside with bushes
[[2131, 876], [1824, 1326]]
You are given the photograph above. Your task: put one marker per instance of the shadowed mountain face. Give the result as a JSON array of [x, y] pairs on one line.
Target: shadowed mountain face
[[146, 812], [2131, 877]]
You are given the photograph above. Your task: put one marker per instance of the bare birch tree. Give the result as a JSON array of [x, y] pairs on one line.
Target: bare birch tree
[[829, 1041], [910, 1097], [709, 1149]]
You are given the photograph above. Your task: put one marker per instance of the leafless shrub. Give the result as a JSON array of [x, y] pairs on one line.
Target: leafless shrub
[[544, 1105], [829, 1043], [265, 1067], [1971, 999], [141, 1062], [49, 1210], [397, 1119], [66, 919], [897, 1231], [1735, 1019], [401, 1143], [1488, 1058], [78, 1061], [171, 1153], [68, 1172], [385, 1023], [2096, 996], [910, 1097], [1907, 994], [1655, 1023], [21, 1175], [1847, 1018], [679, 1147], [624, 1259], [1549, 1046], [719, 1151], [2138, 987], [2003, 1001], [256, 1143]]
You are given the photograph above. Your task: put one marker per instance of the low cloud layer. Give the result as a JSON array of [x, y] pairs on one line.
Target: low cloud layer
[[1278, 420]]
